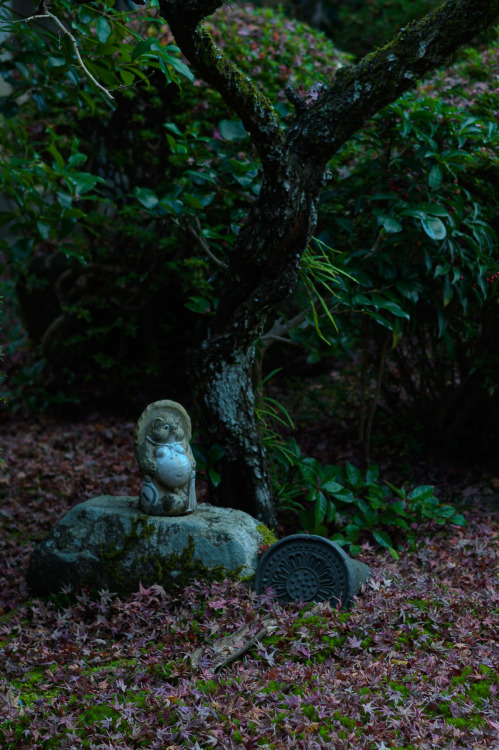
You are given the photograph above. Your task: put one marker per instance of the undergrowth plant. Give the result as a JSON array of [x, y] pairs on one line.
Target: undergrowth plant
[[340, 502]]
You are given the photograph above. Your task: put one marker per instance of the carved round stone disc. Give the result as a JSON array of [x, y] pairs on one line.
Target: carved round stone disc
[[306, 568]]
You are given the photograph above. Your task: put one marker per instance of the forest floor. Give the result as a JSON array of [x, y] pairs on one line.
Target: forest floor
[[413, 665]]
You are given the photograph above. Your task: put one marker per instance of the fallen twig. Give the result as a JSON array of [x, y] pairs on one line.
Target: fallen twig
[[231, 647]]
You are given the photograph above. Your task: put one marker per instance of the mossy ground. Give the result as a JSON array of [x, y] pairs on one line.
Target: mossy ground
[[119, 696]]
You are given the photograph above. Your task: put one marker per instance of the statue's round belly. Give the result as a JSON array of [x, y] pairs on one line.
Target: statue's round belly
[[174, 467]]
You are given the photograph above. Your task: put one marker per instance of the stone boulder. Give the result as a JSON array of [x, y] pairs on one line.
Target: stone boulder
[[107, 542]]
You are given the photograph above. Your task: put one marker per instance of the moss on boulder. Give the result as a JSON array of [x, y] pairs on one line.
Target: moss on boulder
[[106, 542]]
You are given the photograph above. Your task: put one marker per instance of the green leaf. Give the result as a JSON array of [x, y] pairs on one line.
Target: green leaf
[[398, 331], [201, 176], [441, 269], [76, 159], [172, 205], [352, 532], [422, 493], [198, 305], [103, 29], [434, 228], [127, 76], [400, 522], [448, 291], [398, 506], [345, 496], [381, 320], [64, 199], [383, 539], [215, 477], [147, 197], [395, 309], [458, 520], [22, 248], [331, 512], [88, 99], [83, 182], [193, 201], [56, 62], [339, 539], [409, 289], [372, 473], [44, 229], [180, 67], [215, 453], [332, 486], [363, 506], [390, 225], [307, 519], [446, 511], [142, 48], [173, 128], [320, 530], [353, 474], [232, 130], [398, 491], [435, 177], [320, 508], [433, 209]]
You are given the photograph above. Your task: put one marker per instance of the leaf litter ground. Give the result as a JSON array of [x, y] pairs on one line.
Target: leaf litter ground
[[412, 665]]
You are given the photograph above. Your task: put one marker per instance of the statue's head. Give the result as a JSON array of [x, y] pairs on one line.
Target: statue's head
[[162, 422], [166, 429]]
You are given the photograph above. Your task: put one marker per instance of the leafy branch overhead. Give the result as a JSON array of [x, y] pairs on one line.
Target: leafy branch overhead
[[356, 91]]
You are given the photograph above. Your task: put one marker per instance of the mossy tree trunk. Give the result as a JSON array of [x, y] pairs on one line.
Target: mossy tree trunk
[[264, 262]]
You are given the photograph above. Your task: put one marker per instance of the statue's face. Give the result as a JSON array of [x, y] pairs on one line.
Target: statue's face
[[163, 430]]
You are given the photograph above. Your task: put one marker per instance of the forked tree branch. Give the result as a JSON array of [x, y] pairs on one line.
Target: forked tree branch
[[359, 91]]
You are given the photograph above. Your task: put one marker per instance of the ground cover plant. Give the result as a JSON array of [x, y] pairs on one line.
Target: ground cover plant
[[412, 665]]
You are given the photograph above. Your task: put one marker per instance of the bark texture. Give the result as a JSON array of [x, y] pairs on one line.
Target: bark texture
[[265, 259]]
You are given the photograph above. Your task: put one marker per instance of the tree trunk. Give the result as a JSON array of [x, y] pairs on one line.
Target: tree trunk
[[263, 270], [225, 396]]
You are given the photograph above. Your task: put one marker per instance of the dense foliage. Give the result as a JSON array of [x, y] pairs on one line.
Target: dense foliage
[[415, 216], [118, 231], [109, 257], [412, 219]]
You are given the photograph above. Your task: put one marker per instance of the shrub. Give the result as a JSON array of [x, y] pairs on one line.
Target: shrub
[[110, 221], [413, 218]]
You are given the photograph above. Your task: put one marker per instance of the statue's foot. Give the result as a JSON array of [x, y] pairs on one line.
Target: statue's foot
[[168, 504]]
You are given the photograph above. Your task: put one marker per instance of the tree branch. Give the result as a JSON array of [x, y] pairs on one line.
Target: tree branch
[[281, 327], [238, 91], [359, 91], [48, 14], [199, 237]]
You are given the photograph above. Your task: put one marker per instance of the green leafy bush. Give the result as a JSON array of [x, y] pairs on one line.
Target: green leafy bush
[[110, 224], [342, 503], [412, 216]]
